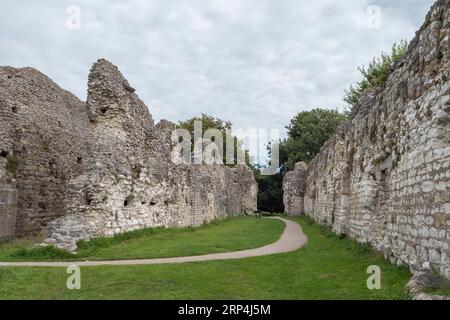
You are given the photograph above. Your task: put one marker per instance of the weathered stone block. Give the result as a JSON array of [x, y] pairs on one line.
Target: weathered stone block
[[391, 188]]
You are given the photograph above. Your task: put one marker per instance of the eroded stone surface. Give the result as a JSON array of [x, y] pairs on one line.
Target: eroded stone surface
[[421, 281], [102, 167], [44, 143], [384, 178]]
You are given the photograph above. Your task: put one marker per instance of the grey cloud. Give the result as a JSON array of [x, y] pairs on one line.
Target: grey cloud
[[253, 62]]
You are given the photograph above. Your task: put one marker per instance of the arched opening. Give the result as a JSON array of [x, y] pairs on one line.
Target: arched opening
[[128, 201]]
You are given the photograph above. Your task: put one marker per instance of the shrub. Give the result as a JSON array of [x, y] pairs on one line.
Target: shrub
[[309, 221], [41, 253], [440, 285], [376, 74], [350, 244]]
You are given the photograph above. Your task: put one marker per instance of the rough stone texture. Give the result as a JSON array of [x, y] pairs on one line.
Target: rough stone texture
[[43, 141], [384, 178], [293, 189], [103, 167], [421, 281]]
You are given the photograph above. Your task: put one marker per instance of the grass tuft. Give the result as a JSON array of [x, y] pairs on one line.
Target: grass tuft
[[40, 253], [350, 244], [440, 285]]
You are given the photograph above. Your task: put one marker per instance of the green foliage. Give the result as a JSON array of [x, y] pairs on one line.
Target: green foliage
[[103, 242], [270, 192], [307, 132], [210, 122], [12, 163], [326, 231], [6, 275], [350, 244], [308, 220], [39, 253], [440, 285], [377, 72]]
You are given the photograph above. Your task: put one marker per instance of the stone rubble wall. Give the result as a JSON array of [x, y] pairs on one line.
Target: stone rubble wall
[[247, 189], [8, 211], [112, 168], [43, 145], [384, 178], [293, 189]]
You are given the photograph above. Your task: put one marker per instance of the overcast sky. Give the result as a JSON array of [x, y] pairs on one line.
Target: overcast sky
[[255, 63]]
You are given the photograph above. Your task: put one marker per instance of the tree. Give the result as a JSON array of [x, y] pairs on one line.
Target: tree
[[376, 74], [270, 192], [307, 132], [210, 122]]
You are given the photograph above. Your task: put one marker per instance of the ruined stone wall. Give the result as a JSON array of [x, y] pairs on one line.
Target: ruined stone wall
[[385, 177], [43, 143], [78, 170], [247, 189], [131, 182], [8, 210], [294, 189]]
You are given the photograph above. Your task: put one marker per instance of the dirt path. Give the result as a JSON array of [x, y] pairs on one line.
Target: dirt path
[[292, 239]]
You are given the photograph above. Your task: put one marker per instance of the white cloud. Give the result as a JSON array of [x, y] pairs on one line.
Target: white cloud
[[253, 62]]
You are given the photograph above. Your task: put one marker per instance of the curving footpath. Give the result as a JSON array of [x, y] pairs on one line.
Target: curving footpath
[[292, 239]]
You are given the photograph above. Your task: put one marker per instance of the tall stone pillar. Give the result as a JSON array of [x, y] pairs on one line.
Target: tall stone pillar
[[8, 210], [294, 183]]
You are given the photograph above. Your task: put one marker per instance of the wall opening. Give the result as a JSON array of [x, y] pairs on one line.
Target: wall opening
[[128, 201]]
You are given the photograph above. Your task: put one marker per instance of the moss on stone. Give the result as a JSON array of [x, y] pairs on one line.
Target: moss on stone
[[12, 163]]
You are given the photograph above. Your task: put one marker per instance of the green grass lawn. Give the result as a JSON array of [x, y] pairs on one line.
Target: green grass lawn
[[220, 236], [328, 267]]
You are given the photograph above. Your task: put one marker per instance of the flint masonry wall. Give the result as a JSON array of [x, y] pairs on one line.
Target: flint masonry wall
[[43, 145], [130, 181], [294, 184], [78, 170], [384, 178]]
